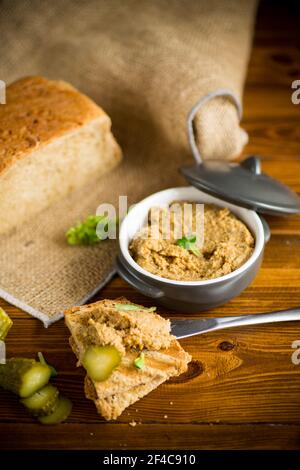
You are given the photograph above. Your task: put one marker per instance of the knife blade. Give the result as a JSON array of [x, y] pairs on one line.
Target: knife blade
[[186, 328]]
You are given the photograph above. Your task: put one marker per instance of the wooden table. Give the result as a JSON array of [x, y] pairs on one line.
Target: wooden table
[[242, 389]]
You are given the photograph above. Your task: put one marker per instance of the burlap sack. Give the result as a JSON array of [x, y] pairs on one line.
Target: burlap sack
[[145, 63]]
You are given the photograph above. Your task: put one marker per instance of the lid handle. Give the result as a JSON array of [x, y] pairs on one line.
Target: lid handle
[[252, 164], [195, 109]]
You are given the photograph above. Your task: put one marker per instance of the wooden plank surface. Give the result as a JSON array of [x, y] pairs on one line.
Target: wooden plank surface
[[154, 436], [242, 389]]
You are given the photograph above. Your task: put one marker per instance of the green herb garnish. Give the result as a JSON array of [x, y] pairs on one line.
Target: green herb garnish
[[189, 243], [130, 307], [85, 232], [139, 361], [42, 360]]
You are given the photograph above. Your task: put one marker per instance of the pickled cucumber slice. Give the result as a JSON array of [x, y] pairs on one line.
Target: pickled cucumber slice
[[24, 376], [60, 413], [100, 361], [42, 402], [5, 324]]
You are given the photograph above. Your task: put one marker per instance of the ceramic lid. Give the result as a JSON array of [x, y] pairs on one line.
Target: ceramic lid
[[243, 184]]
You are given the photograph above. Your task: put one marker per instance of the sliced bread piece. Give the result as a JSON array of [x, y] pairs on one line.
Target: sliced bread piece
[[53, 140], [130, 385], [163, 364], [113, 406], [126, 384]]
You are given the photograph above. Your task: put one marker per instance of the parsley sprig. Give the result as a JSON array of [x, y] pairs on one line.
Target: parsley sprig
[[130, 307], [189, 243], [42, 360], [85, 232], [139, 362]]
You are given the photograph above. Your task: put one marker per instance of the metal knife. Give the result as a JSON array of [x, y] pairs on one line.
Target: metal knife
[[186, 328]]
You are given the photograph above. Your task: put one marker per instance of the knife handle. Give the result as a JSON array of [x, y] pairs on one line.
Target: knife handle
[[292, 314]]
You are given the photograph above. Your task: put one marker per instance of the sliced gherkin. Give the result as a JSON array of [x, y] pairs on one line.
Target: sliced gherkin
[[5, 324], [42, 402], [100, 361], [24, 376], [60, 413]]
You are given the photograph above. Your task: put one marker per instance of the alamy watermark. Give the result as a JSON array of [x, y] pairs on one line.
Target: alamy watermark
[[296, 353], [2, 92], [296, 94], [2, 352], [175, 221]]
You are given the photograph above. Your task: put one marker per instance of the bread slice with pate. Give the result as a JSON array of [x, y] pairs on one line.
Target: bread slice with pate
[[130, 331]]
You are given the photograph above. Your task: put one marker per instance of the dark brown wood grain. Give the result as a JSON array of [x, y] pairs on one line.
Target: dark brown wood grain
[[153, 436], [242, 390]]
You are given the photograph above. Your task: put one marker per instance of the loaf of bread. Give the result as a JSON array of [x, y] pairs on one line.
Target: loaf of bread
[[53, 139]]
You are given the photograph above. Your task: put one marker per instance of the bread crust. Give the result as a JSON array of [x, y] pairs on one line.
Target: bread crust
[[38, 111]]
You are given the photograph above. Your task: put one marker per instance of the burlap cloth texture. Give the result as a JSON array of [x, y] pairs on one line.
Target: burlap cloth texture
[[146, 63]]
